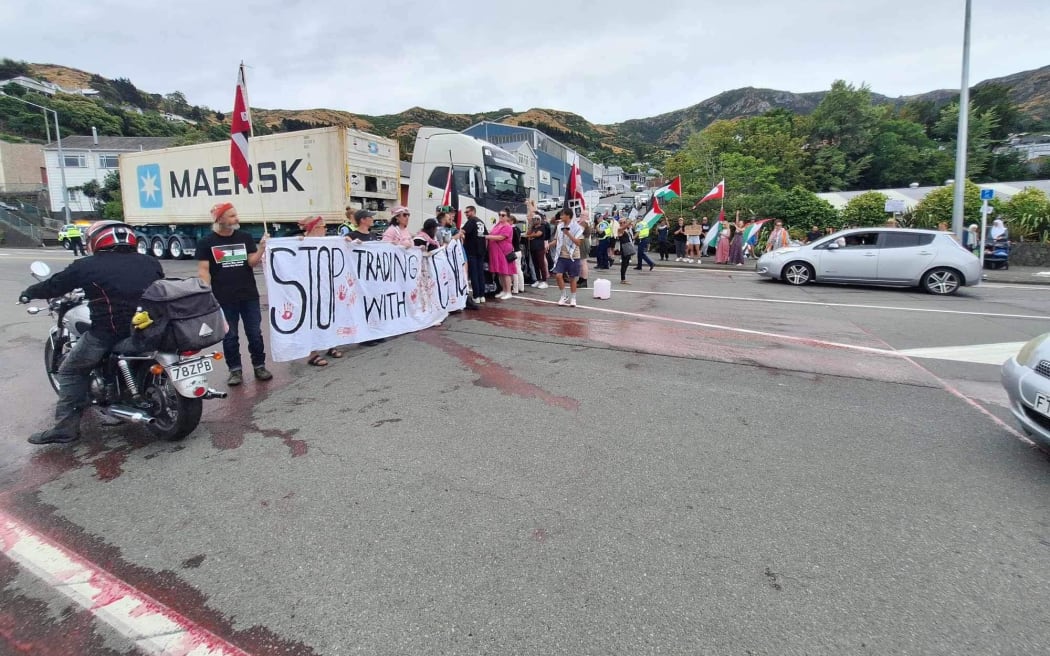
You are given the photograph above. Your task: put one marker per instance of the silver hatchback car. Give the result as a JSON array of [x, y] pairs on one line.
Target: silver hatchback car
[[1026, 377], [897, 257]]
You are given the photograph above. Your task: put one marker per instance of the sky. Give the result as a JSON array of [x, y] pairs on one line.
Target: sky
[[607, 61]]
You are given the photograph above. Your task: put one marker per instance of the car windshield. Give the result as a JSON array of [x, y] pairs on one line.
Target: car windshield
[[505, 184]]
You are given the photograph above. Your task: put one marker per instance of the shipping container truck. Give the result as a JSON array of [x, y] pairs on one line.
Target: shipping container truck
[[168, 193], [487, 177]]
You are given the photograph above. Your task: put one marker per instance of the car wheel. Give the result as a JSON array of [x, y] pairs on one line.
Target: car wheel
[[942, 281], [65, 244], [797, 273]]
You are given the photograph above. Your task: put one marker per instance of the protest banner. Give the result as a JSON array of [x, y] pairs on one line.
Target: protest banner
[[693, 230], [326, 291]]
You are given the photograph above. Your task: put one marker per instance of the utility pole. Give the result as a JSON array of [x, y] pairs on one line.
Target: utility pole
[[958, 204]]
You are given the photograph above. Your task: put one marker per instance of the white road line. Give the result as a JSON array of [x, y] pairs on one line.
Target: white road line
[[818, 342], [978, 353], [834, 305], [152, 626]]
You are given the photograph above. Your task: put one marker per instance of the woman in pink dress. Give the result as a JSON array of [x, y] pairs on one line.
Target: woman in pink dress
[[500, 240], [722, 245]]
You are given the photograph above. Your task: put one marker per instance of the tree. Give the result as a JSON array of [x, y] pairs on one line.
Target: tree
[[996, 98], [1028, 214], [979, 143], [10, 68], [110, 194], [867, 209], [937, 206], [14, 89], [845, 118], [175, 103], [902, 153]]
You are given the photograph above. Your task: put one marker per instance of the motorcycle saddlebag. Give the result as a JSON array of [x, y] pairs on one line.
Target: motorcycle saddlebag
[[186, 316]]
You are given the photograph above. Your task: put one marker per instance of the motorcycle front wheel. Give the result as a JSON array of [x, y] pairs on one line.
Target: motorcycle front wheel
[[53, 358], [174, 415]]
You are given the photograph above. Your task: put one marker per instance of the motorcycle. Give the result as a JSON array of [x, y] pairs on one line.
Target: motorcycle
[[160, 390]]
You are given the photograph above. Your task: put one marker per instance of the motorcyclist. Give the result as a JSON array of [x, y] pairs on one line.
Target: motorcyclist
[[113, 279]]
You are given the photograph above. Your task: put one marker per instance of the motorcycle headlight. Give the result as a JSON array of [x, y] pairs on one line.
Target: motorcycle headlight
[[1028, 350]]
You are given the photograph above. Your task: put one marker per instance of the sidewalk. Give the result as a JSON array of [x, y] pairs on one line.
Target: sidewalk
[[1015, 275]]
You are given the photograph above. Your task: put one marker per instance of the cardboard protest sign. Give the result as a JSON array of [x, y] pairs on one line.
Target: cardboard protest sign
[[693, 231]]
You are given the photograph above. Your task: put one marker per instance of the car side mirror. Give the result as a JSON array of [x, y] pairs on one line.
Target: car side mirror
[[833, 246]]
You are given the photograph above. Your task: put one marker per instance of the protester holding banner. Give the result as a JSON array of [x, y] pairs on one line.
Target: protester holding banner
[[398, 232], [225, 261], [314, 226], [692, 245], [363, 231], [501, 248]]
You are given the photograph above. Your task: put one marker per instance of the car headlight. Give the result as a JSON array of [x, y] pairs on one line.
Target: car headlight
[[1026, 352]]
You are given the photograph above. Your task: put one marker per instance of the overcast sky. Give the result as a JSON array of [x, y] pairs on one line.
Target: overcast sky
[[607, 61]]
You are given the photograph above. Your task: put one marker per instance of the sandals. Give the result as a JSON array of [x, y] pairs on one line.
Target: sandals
[[317, 360], [334, 353]]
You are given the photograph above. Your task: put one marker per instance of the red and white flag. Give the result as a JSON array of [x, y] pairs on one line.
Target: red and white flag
[[719, 191], [240, 130], [574, 187]]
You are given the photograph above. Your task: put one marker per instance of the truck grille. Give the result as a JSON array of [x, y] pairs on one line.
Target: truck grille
[[1043, 368]]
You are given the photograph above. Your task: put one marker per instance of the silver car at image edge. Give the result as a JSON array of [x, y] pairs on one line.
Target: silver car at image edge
[[896, 257], [1026, 377]]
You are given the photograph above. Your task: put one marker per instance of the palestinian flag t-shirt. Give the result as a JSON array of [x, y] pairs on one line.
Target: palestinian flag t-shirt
[[232, 279]]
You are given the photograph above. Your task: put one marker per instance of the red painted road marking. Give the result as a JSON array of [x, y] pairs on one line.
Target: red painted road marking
[[152, 626]]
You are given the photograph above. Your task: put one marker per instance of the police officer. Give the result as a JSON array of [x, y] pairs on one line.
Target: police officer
[[76, 244], [113, 280]]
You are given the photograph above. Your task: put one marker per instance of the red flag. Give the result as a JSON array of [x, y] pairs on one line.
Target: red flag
[[451, 196], [719, 191], [240, 130], [574, 188]]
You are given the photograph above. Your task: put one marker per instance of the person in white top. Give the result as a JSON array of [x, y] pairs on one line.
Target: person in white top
[[567, 256]]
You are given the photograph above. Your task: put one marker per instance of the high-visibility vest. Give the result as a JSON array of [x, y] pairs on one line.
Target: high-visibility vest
[[73, 232], [643, 232], [603, 228], [350, 227]]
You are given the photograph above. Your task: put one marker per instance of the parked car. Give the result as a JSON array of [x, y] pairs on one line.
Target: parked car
[[63, 239], [556, 202], [9, 208], [1026, 377], [896, 257], [544, 204]]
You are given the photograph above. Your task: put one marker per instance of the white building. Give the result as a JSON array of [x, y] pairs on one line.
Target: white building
[[89, 158], [45, 87], [1032, 146]]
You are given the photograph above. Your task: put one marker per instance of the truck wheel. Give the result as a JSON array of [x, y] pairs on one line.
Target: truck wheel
[[142, 245], [175, 249], [158, 248]]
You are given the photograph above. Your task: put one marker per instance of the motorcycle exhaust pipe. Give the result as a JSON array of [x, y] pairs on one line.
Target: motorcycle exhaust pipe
[[127, 414]]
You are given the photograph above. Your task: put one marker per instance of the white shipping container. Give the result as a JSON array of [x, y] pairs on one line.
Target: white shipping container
[[294, 174]]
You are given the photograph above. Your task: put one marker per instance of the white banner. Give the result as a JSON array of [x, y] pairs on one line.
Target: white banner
[[326, 291]]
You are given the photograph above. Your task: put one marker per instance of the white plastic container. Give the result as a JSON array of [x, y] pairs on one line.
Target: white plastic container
[[602, 288]]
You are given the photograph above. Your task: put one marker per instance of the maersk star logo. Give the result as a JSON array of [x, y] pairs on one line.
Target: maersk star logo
[[149, 186]]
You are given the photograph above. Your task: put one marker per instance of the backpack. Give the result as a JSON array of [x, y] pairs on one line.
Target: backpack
[[185, 314]]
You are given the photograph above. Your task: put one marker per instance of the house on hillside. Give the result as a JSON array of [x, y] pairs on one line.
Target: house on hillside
[[89, 158], [1031, 146], [45, 87]]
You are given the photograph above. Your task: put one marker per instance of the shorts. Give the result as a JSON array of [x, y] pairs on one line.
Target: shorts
[[570, 268], [693, 240]]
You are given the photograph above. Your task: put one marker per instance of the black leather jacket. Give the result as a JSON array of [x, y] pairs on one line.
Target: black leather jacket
[[113, 283]]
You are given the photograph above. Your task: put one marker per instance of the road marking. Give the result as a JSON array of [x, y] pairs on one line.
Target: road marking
[[152, 626], [826, 344], [977, 353], [834, 305]]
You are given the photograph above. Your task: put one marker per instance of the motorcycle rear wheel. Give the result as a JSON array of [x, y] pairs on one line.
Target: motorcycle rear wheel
[[174, 415]]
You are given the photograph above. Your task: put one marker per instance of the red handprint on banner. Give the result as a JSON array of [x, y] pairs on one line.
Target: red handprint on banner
[[342, 292], [289, 310]]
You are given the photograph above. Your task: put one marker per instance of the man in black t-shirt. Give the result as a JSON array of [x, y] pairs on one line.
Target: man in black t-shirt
[[476, 246], [226, 261]]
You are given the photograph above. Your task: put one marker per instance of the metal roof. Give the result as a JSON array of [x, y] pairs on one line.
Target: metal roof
[[912, 196]]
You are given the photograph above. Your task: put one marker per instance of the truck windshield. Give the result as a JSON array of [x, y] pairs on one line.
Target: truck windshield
[[505, 184]]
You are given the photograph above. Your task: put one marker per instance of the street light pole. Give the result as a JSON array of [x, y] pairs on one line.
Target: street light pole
[[58, 140], [958, 204]]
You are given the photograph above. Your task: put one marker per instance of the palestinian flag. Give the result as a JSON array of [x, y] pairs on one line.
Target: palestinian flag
[[671, 191], [719, 191], [751, 231], [714, 231], [650, 219], [240, 130]]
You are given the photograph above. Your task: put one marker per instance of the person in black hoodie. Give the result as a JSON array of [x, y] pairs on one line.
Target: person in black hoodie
[[113, 280]]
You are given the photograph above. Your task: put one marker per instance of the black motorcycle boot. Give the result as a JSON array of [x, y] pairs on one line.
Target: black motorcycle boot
[[64, 432]]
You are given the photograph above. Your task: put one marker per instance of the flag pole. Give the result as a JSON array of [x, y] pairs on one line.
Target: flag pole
[[251, 133]]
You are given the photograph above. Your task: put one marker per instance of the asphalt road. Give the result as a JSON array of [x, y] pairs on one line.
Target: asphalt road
[[707, 463]]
